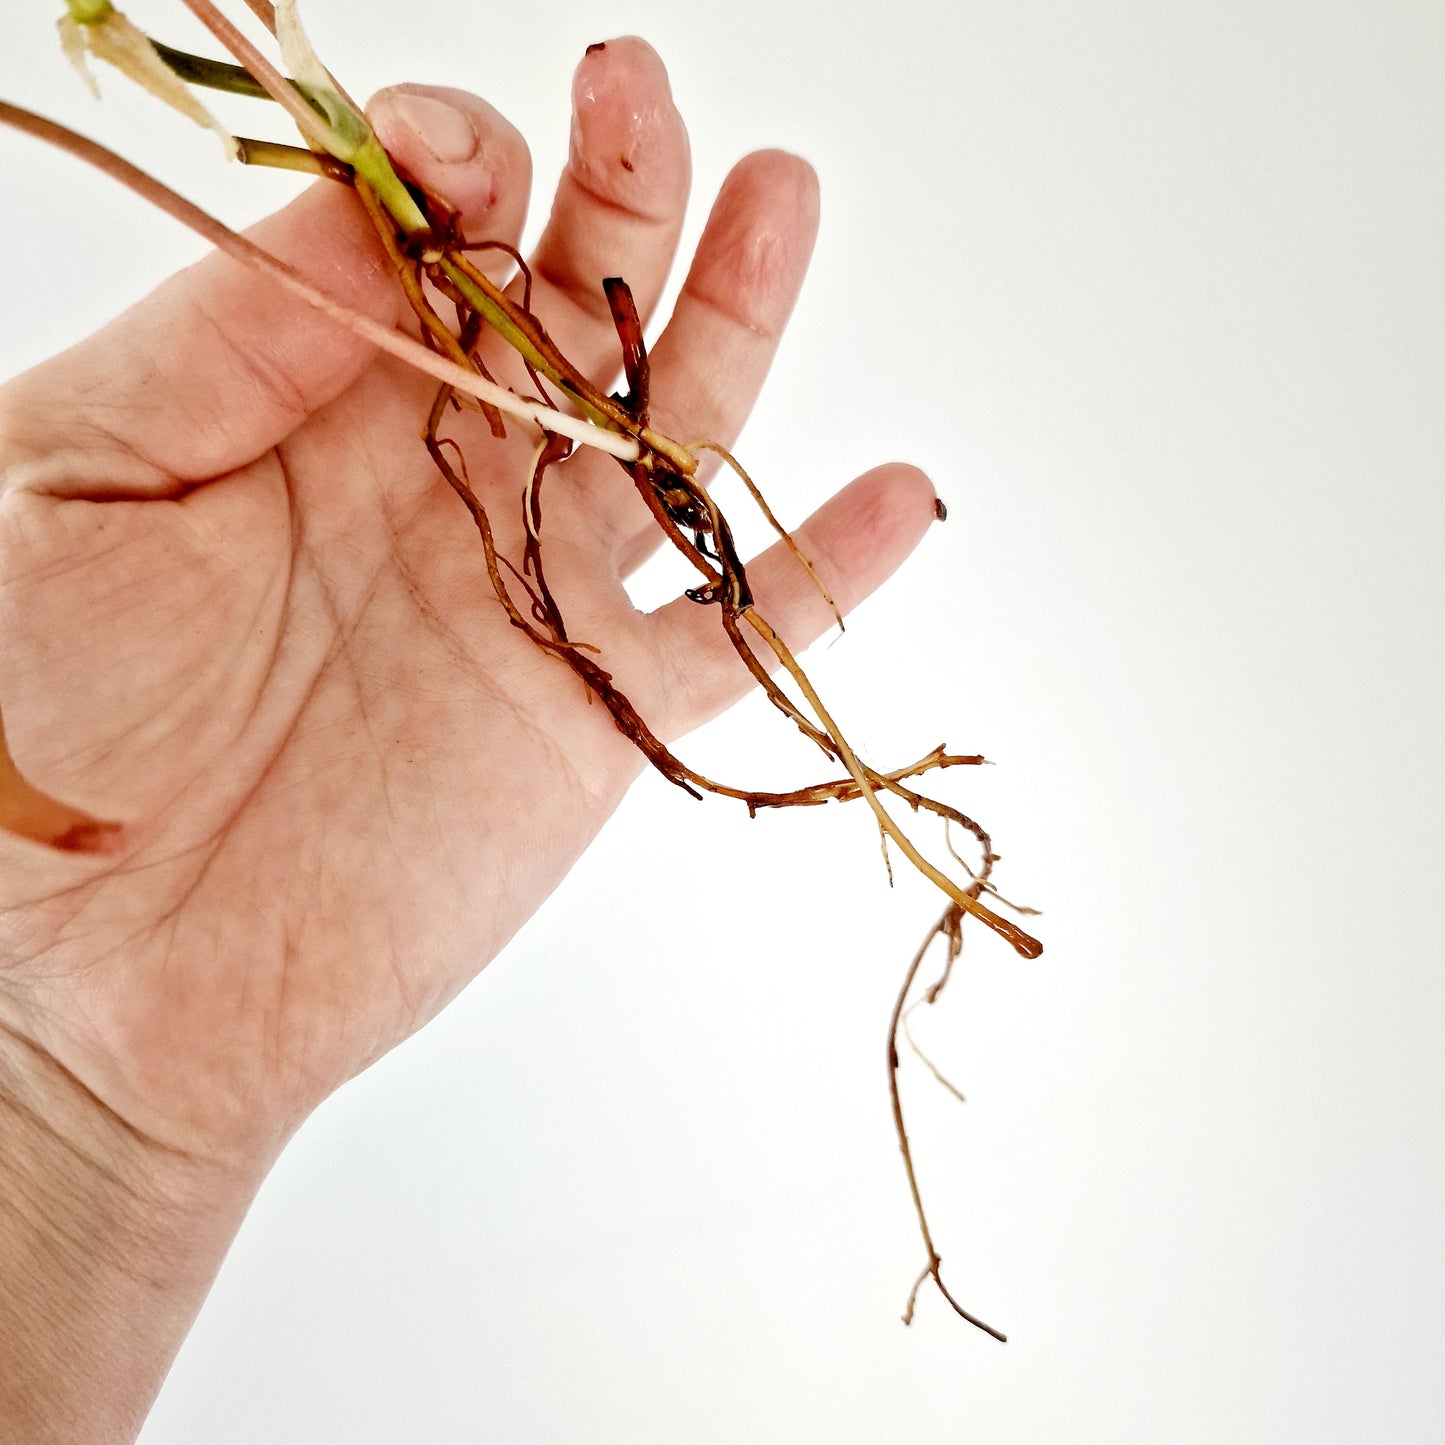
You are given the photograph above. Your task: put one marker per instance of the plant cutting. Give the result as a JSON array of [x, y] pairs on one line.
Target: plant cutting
[[476, 330]]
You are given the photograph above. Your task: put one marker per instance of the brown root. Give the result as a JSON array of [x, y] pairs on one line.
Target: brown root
[[950, 928]]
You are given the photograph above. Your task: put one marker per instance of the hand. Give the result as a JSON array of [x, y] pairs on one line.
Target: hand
[[242, 613]]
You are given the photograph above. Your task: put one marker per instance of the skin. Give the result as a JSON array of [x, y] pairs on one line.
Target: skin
[[241, 613]]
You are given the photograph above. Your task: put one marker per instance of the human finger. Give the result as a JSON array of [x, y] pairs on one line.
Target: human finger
[[855, 541], [217, 365], [619, 204]]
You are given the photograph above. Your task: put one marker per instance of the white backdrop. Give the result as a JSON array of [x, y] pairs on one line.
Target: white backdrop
[[1164, 319]]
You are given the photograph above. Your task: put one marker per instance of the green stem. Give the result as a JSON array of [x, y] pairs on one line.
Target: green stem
[[500, 318], [290, 158], [520, 331], [371, 162], [213, 74], [89, 12]]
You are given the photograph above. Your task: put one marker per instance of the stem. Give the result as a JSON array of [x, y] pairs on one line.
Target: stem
[[213, 74], [385, 338], [265, 12], [311, 126], [371, 160], [525, 336], [327, 119], [343, 129], [290, 158]]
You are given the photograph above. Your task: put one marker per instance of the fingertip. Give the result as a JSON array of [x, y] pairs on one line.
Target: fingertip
[[876, 521], [455, 146], [787, 176], [425, 125], [625, 64], [628, 142], [759, 240], [911, 490]]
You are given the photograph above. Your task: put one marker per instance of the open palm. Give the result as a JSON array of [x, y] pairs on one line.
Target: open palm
[[243, 613]]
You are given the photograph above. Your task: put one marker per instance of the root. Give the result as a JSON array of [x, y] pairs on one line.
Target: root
[[938, 1076], [949, 927], [784, 535]]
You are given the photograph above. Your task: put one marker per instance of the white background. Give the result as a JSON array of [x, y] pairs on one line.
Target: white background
[[1154, 291]]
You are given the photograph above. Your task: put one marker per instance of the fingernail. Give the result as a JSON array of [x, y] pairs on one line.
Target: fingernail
[[446, 132]]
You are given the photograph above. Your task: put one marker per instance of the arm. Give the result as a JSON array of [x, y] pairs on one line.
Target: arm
[[108, 1244]]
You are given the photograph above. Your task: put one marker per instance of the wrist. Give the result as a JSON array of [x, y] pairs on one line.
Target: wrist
[[109, 1242]]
